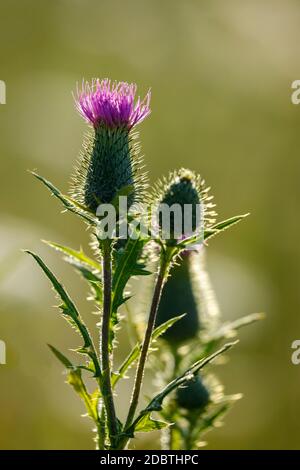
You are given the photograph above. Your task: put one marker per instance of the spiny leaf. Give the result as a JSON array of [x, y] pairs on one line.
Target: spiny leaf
[[147, 424], [230, 328], [127, 266], [206, 423], [87, 267], [94, 281], [156, 403], [165, 326], [221, 226], [70, 313], [60, 356], [76, 255], [135, 352], [211, 340], [69, 203], [211, 232], [75, 380], [67, 363]]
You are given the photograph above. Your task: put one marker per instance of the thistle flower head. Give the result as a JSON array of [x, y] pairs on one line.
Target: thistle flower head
[[109, 160], [111, 104]]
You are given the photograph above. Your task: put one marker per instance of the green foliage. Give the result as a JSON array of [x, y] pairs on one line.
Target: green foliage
[[156, 402], [128, 263], [89, 269], [76, 256], [69, 203], [212, 231], [136, 350], [146, 424], [74, 378], [70, 313]]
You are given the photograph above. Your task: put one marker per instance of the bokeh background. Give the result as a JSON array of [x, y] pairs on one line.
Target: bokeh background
[[221, 75]]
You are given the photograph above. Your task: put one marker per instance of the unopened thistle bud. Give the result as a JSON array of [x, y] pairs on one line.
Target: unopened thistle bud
[[178, 298], [182, 292], [181, 196], [193, 395], [183, 206], [109, 158], [188, 290]]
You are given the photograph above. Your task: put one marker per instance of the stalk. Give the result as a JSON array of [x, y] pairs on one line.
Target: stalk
[[100, 444], [166, 257], [145, 347], [106, 388]]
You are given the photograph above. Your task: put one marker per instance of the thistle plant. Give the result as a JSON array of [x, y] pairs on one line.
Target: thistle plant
[[180, 219]]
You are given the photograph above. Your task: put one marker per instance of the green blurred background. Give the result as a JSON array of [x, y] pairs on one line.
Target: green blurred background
[[221, 75]]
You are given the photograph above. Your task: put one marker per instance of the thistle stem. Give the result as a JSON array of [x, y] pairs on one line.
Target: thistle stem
[[106, 388], [100, 437], [145, 347], [166, 257]]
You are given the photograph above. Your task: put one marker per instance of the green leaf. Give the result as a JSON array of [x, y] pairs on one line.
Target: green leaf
[[128, 362], [127, 266], [88, 268], [209, 341], [211, 232], [76, 381], [75, 255], [211, 419], [69, 203], [165, 326], [224, 225], [94, 281], [135, 352], [206, 423], [67, 363], [70, 312], [156, 402], [229, 329], [63, 359], [148, 424]]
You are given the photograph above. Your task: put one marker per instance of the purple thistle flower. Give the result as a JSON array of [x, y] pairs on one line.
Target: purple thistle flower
[[111, 104]]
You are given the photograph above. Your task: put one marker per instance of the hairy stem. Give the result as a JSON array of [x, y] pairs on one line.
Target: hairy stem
[[100, 444], [145, 347], [106, 388], [166, 257]]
